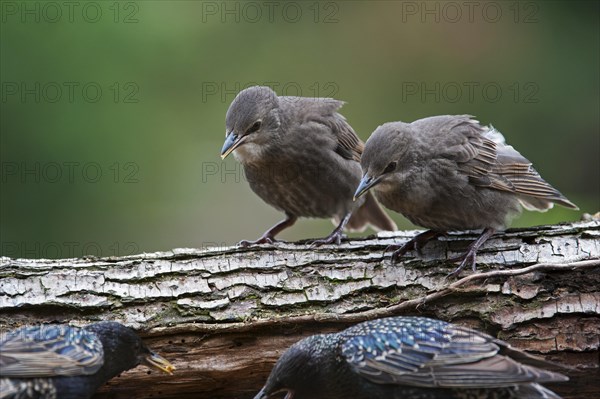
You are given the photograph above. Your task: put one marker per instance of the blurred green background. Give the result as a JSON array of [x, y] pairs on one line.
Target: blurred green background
[[112, 114]]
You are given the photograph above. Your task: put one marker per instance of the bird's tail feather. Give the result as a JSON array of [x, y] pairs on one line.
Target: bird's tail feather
[[370, 213], [543, 204]]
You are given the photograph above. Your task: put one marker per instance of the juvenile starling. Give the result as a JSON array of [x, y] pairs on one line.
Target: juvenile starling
[[407, 357], [301, 157], [451, 173], [66, 362]]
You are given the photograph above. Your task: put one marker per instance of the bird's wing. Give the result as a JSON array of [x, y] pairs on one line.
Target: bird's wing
[[323, 111], [50, 350], [349, 145], [431, 354], [482, 154]]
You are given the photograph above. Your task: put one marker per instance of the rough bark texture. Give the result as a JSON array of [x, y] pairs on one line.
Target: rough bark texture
[[224, 316]]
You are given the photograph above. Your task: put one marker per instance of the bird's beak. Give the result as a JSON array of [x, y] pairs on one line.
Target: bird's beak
[[232, 141], [157, 362], [365, 184]]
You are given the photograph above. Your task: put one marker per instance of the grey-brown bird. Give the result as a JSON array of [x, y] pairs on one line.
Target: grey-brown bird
[[452, 173], [301, 157]]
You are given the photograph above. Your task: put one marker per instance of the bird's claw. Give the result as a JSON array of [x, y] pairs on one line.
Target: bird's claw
[[391, 247], [334, 238], [468, 257], [261, 240], [414, 244], [401, 250], [397, 254]]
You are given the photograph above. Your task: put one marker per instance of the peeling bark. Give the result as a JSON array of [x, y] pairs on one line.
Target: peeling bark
[[223, 316]]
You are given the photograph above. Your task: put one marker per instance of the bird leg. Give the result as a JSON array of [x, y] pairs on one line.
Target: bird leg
[[469, 256], [416, 243], [269, 236], [335, 236]]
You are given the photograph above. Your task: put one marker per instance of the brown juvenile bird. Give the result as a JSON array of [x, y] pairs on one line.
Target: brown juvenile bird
[[451, 173], [301, 157]]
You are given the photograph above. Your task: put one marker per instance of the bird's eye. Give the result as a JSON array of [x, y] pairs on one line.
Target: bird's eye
[[254, 127], [390, 168]]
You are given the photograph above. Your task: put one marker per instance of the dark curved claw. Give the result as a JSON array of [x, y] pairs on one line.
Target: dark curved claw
[[333, 238], [399, 250], [470, 256], [336, 235], [416, 243], [269, 236], [465, 259], [261, 240]]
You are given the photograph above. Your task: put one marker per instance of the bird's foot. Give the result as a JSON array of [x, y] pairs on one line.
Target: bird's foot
[[334, 238], [399, 250], [262, 240], [416, 243], [468, 258]]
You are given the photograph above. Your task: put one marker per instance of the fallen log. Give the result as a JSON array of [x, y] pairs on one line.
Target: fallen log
[[224, 315]]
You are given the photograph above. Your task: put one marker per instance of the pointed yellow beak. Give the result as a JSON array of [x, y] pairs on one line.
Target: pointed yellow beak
[[158, 362]]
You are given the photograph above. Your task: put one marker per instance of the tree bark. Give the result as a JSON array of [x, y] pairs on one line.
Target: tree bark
[[223, 316]]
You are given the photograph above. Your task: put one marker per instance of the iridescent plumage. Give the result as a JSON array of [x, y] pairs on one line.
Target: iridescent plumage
[[67, 362], [407, 357]]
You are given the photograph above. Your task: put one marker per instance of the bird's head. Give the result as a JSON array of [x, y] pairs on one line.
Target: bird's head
[[383, 156], [124, 349], [252, 119], [298, 372]]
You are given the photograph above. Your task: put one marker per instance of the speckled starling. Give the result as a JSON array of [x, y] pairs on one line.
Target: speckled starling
[[66, 362], [451, 173], [300, 156], [407, 357]]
